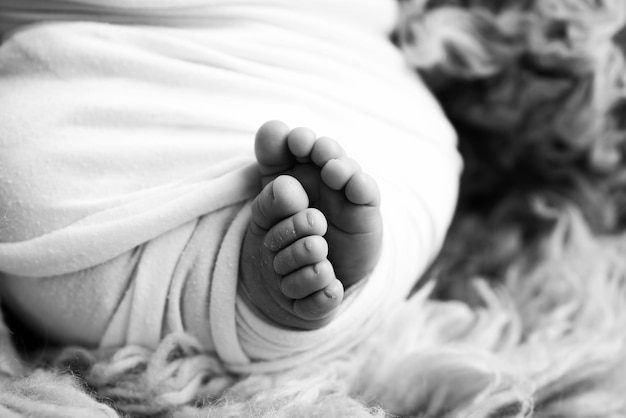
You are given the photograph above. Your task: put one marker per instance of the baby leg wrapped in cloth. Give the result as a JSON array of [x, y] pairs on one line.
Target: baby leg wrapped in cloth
[[136, 205]]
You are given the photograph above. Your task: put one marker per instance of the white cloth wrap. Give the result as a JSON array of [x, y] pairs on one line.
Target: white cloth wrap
[[131, 138]]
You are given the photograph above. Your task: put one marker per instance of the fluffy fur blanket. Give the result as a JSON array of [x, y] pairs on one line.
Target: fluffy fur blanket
[[525, 314]]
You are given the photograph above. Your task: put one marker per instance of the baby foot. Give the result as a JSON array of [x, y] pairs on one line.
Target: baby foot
[[332, 197], [336, 185], [284, 270]]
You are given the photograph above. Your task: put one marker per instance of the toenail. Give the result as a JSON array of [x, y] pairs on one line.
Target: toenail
[[316, 269], [330, 294], [310, 219], [307, 246]]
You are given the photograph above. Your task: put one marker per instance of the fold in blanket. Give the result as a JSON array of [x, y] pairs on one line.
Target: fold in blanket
[[126, 163]]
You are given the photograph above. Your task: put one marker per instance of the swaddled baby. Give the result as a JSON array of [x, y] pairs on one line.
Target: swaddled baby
[[142, 197]]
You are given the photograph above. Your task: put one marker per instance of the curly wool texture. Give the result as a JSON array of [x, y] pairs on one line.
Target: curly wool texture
[[536, 323], [537, 90]]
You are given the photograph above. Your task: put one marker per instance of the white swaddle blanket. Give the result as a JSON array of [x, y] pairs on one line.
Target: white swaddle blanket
[[126, 161]]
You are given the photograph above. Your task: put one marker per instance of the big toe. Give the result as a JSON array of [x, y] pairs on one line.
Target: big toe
[[271, 149], [282, 197]]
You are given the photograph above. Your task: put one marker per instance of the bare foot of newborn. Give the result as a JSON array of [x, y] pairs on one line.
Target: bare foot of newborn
[[316, 228]]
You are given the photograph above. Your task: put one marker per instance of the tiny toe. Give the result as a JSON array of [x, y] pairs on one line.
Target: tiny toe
[[336, 173], [304, 223], [305, 251], [361, 189], [270, 147], [300, 142], [310, 279], [320, 304], [326, 149], [282, 197]]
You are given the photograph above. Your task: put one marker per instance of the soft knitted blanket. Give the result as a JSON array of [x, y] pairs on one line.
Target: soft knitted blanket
[[127, 163]]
